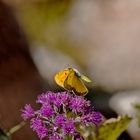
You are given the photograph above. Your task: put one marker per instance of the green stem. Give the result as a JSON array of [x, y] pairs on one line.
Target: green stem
[[15, 128]]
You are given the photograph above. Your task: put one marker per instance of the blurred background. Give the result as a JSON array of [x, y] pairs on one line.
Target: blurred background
[[100, 38]]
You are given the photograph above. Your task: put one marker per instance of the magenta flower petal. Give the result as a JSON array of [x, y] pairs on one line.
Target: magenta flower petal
[[92, 117], [60, 120], [78, 104], [58, 115], [55, 137], [27, 112], [47, 110], [35, 123], [69, 127], [42, 132], [37, 126]]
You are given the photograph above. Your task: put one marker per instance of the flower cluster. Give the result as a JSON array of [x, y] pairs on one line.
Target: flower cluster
[[59, 115]]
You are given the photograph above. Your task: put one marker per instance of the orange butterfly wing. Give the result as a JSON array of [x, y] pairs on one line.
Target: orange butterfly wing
[[75, 83], [61, 76]]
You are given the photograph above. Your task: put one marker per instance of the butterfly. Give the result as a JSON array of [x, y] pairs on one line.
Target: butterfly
[[72, 80]]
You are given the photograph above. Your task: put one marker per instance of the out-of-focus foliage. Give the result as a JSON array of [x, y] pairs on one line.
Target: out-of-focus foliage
[[3, 135], [112, 128], [44, 23], [37, 16], [137, 106]]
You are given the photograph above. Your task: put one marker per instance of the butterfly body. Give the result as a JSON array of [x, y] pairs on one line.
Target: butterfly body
[[71, 80]]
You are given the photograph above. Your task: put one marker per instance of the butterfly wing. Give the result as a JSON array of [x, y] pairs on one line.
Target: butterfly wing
[[61, 76], [75, 84], [85, 78]]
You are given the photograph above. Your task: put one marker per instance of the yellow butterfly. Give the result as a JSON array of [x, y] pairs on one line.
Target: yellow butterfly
[[72, 80]]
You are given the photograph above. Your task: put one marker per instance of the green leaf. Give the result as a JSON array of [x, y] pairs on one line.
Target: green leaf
[[112, 128]]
